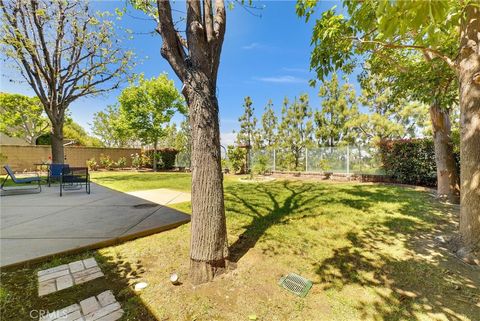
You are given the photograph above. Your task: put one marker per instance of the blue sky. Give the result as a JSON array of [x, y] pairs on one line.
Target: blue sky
[[263, 57]]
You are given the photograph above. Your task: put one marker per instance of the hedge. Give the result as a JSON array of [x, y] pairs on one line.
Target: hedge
[[165, 157], [410, 161]]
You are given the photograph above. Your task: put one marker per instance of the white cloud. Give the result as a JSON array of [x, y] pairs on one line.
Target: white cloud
[[282, 79], [253, 45], [227, 139]]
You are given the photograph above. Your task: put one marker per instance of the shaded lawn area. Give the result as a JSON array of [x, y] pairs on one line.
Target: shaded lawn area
[[369, 249]]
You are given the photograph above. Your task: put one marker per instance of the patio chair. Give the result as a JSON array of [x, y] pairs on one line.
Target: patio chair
[[24, 180], [55, 172], [73, 178]]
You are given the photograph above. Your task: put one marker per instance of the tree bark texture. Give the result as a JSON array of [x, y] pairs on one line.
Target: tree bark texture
[[447, 177], [58, 150], [469, 82], [195, 61], [209, 247]]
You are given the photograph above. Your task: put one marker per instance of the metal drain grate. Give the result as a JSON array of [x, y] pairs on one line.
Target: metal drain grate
[[296, 284]]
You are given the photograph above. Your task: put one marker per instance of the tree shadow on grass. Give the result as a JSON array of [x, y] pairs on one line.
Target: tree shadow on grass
[[267, 215], [424, 279], [392, 258], [20, 301]]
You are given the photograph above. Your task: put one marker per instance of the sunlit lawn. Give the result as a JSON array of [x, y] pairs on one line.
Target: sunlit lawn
[[369, 249]]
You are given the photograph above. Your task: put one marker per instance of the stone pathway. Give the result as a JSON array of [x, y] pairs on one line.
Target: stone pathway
[[103, 307], [67, 275]]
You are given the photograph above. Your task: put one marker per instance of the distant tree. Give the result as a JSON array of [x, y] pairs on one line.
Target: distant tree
[[148, 106], [176, 137], [388, 117], [339, 106], [111, 127], [296, 129], [23, 117], [247, 135], [64, 51], [75, 132], [268, 131]]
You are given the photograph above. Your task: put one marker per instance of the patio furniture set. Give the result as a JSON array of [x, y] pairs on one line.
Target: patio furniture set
[[70, 178]]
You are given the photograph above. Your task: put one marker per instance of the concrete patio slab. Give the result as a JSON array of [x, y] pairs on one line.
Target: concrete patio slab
[[162, 196], [36, 226]]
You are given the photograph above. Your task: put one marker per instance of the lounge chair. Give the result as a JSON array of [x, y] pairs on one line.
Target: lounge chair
[[55, 172], [73, 178], [24, 180]]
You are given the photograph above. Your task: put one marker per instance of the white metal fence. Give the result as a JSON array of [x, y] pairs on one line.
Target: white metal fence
[[345, 159]]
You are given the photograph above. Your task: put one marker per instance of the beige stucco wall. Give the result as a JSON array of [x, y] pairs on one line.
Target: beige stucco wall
[[23, 158]]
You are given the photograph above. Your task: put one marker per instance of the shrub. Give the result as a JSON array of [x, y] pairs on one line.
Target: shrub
[[409, 161], [92, 164], [136, 160], [261, 165], [106, 162], [121, 162], [236, 158], [165, 157]]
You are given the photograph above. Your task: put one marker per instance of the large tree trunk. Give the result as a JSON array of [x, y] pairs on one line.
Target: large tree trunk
[[469, 80], [209, 248], [58, 153], [447, 178]]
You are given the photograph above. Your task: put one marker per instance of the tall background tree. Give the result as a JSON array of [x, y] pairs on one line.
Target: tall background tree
[[23, 117], [424, 26], [268, 131], [195, 60], [63, 50], [247, 136], [148, 106], [339, 106], [295, 130]]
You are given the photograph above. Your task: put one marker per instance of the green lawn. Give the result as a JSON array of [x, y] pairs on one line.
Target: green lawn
[[369, 249], [133, 181]]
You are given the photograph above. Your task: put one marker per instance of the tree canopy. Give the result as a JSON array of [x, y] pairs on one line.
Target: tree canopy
[[23, 117]]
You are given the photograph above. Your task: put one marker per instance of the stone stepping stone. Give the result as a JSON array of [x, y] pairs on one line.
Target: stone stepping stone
[[67, 275], [103, 307]]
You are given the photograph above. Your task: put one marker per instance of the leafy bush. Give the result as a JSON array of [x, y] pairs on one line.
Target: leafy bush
[[92, 164], [236, 157], [261, 164], [409, 161], [121, 162], [165, 157], [137, 160], [106, 162]]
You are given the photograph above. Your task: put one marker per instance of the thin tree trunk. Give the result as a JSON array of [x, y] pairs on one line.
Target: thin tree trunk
[[447, 178], [58, 153], [209, 248], [469, 80], [154, 159]]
